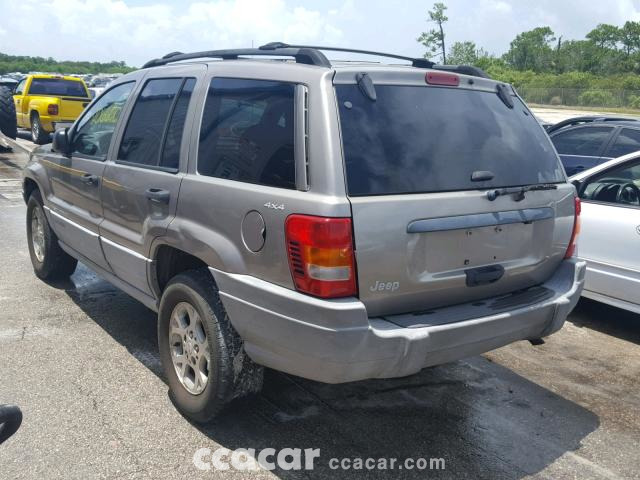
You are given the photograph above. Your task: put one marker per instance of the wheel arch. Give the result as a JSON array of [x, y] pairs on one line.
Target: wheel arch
[[169, 261], [29, 185]]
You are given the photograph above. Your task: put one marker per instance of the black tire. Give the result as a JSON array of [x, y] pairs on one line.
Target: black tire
[[8, 124], [55, 263], [232, 374], [38, 134]]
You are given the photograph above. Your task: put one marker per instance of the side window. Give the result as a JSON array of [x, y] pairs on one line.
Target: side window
[[173, 138], [628, 141], [93, 132], [20, 87], [619, 185], [585, 141], [157, 119], [247, 132]]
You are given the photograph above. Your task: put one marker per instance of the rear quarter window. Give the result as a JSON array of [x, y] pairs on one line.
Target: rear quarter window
[[416, 139], [247, 132]]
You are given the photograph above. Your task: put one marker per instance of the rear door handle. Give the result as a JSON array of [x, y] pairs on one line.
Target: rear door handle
[[89, 179], [157, 195]]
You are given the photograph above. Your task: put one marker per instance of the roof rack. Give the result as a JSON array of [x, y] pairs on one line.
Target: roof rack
[[416, 62], [306, 54], [301, 55]]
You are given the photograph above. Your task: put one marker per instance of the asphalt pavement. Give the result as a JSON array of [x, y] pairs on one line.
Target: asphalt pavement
[[80, 358]]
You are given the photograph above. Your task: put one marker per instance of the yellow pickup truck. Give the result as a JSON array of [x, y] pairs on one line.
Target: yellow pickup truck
[[47, 102]]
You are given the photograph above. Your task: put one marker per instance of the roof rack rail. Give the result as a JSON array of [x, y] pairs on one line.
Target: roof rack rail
[[416, 62], [303, 55], [307, 54]]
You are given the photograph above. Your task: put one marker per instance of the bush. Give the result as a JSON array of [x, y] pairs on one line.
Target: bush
[[634, 101], [555, 100], [597, 98]]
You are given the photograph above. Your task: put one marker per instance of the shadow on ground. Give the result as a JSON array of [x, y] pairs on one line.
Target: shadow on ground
[[607, 319], [483, 419]]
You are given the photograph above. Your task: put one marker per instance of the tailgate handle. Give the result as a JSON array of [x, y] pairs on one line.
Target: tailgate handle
[[484, 275]]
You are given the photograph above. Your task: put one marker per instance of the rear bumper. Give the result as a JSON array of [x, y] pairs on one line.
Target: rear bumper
[[333, 341]]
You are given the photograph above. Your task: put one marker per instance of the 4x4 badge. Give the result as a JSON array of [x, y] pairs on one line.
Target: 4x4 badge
[[274, 206]]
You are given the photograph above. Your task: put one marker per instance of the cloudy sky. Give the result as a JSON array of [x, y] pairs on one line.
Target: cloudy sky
[[137, 30]]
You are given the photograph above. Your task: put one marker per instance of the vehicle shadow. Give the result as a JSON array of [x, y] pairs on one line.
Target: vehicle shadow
[[483, 419], [607, 319]]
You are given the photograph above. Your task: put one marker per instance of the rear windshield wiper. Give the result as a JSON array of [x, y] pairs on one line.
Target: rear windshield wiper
[[519, 191]]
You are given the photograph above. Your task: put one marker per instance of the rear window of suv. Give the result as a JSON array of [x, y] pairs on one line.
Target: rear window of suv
[[416, 139], [58, 87]]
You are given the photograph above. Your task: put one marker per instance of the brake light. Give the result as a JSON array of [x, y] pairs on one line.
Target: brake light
[[571, 251], [52, 109], [442, 78], [321, 256]]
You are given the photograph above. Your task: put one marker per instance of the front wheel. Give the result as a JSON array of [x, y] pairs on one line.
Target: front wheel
[[49, 261], [202, 354]]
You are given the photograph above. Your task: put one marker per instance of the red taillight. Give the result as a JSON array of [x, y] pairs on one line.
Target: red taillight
[[442, 78], [321, 255], [52, 109], [571, 251]]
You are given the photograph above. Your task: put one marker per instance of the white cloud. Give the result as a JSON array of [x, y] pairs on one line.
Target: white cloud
[[111, 29], [137, 30]]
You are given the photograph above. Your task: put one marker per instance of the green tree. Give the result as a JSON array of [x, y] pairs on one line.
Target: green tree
[[605, 36], [462, 53], [433, 40], [630, 37], [532, 50], [467, 53]]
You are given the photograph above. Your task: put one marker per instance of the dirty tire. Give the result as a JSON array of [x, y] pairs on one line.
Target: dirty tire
[[232, 373], [38, 134], [8, 124], [55, 263]]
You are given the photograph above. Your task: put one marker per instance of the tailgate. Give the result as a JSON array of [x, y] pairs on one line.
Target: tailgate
[[416, 252], [70, 108]]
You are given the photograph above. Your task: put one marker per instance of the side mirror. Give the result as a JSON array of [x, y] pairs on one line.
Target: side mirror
[[10, 420], [61, 142]]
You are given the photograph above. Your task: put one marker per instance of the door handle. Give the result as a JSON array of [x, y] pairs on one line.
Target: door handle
[[89, 179], [158, 195]]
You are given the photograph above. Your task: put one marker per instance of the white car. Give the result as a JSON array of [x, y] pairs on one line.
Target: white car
[[610, 234]]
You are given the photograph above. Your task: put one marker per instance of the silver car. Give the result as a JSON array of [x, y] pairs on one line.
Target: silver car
[[610, 234], [334, 221]]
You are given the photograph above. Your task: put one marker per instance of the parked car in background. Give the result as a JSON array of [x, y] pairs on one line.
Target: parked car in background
[[610, 233], [8, 82], [294, 215], [46, 102], [584, 142], [98, 84]]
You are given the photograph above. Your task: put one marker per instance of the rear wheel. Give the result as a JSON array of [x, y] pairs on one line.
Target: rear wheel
[[38, 134], [202, 355], [49, 261]]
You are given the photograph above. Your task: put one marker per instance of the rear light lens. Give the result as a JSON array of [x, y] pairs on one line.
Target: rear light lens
[[321, 256], [52, 109], [442, 78], [571, 251]]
